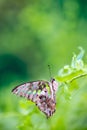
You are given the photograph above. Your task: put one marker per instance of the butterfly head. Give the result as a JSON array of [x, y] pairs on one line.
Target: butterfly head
[[54, 84]]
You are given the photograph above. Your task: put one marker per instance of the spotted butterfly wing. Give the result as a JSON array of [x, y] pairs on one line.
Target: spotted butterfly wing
[[42, 93]]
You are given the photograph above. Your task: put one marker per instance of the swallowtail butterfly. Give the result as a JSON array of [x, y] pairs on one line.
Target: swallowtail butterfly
[[42, 93]]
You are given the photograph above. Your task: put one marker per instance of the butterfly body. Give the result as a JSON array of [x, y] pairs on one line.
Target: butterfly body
[[41, 92]]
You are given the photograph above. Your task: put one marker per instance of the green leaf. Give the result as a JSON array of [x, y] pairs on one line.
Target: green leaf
[[76, 70], [74, 75]]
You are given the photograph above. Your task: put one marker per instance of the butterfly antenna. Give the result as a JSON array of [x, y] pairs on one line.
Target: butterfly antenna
[[50, 71]]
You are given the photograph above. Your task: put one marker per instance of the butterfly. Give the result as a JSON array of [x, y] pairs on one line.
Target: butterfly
[[42, 93]]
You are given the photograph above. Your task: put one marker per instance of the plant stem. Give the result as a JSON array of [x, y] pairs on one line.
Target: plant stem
[[79, 76]]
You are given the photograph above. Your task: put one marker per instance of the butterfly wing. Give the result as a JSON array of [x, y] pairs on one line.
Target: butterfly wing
[[29, 89], [40, 92]]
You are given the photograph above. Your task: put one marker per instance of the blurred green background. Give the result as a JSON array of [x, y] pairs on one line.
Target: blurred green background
[[33, 34]]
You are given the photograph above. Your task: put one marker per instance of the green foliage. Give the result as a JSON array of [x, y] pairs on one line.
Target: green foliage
[[71, 72]]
